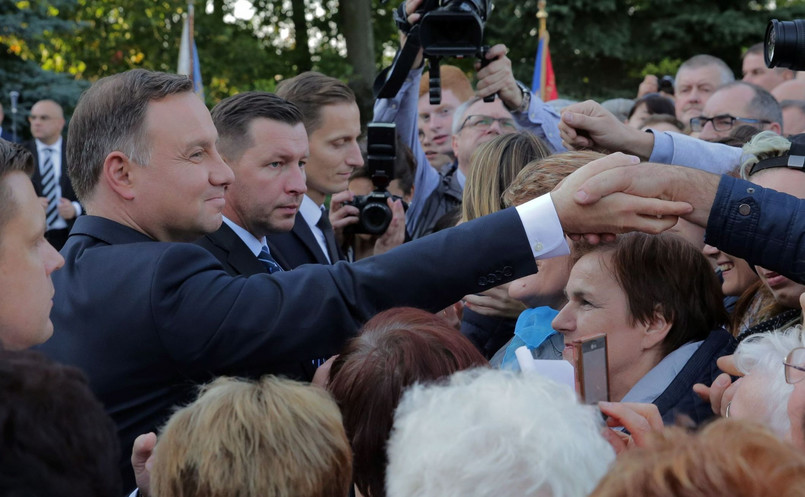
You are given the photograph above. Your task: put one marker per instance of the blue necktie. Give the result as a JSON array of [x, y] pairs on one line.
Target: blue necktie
[[265, 257]]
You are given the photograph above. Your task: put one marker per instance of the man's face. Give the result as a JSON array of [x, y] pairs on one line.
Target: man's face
[[435, 124], [26, 263], [179, 195], [334, 151], [732, 101], [755, 72], [793, 120], [470, 136], [693, 89], [269, 178], [47, 121]]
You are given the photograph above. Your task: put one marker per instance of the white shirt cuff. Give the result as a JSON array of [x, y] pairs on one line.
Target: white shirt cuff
[[542, 227], [77, 207]]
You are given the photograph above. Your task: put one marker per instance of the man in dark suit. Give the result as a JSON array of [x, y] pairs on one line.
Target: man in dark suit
[[50, 178], [147, 317], [333, 125]]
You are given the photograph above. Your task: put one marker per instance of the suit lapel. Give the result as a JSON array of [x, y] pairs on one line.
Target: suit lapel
[[239, 256], [302, 231]]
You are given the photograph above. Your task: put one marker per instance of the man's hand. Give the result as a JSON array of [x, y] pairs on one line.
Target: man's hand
[[639, 419], [413, 18], [654, 181], [395, 234], [453, 314], [66, 209], [495, 302], [497, 77], [650, 84], [342, 215], [723, 389], [142, 455], [623, 209], [589, 125]]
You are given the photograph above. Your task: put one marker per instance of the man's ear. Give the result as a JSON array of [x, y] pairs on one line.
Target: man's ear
[[776, 128], [454, 144], [118, 174], [656, 329]]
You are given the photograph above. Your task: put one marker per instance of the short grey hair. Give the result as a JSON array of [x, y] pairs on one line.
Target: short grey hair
[[461, 110], [763, 104], [762, 355], [502, 414], [109, 117], [703, 60]]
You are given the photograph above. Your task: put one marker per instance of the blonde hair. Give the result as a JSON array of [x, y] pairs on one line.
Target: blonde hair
[[541, 176], [763, 145], [493, 166], [268, 438]]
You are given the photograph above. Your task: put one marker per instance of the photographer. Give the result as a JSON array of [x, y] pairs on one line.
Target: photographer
[[437, 193]]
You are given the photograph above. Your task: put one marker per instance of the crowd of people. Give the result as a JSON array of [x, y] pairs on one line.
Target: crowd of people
[[187, 307]]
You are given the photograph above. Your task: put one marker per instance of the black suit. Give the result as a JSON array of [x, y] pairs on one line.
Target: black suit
[[7, 136], [148, 321], [56, 236], [298, 246], [238, 260]]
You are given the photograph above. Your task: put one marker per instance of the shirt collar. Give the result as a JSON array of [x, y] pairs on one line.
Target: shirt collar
[[250, 240], [56, 146], [310, 211], [654, 383]]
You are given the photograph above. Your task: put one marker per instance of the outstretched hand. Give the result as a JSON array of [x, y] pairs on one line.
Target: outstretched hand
[[640, 420], [589, 125], [615, 208]]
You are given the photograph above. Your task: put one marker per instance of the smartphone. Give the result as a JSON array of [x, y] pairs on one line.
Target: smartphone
[[592, 368]]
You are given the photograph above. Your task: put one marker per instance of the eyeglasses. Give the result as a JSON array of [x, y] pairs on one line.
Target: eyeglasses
[[483, 123], [794, 364], [723, 122]]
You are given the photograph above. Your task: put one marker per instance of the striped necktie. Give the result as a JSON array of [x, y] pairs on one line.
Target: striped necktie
[[49, 189], [265, 257]]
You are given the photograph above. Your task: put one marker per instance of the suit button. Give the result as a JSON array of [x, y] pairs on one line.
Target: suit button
[[482, 281], [507, 271]]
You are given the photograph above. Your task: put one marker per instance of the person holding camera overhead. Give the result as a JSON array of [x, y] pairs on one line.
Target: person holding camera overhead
[[438, 193]]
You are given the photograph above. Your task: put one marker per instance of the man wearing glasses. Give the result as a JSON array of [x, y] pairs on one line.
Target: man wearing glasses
[[737, 104]]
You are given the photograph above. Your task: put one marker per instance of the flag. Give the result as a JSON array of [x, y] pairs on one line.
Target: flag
[[188, 54], [543, 82]]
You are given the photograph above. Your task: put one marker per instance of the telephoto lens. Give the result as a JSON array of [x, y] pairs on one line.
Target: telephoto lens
[[785, 44]]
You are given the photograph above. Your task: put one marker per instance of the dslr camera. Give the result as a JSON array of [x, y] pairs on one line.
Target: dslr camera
[[785, 44], [374, 214]]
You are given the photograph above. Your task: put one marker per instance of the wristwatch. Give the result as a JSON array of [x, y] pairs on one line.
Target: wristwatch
[[526, 103]]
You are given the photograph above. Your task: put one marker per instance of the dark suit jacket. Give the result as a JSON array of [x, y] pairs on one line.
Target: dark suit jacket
[[238, 260], [7, 136], [297, 247], [66, 186], [147, 321]]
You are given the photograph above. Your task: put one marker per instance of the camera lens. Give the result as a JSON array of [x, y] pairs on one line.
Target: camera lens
[[785, 44], [375, 218]]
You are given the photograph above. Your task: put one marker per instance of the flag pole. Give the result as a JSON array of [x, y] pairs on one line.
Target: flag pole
[[542, 16], [191, 31]]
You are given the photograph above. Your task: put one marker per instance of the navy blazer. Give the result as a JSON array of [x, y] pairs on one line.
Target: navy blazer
[[147, 321], [238, 260], [64, 181], [296, 247]]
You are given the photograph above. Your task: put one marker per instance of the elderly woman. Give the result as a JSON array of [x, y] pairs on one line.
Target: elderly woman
[[394, 350], [660, 305]]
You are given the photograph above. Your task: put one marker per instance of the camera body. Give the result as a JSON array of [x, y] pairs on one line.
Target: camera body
[[453, 28], [374, 214]]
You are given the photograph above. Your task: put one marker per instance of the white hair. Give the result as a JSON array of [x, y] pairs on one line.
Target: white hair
[[763, 145], [763, 355], [492, 432]]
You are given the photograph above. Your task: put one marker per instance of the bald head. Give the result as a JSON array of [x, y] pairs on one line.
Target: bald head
[[47, 121]]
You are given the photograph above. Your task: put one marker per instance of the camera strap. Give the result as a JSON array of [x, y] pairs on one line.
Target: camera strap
[[391, 79]]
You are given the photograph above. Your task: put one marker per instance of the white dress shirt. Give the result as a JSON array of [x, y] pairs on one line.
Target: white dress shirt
[[55, 156], [311, 213]]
